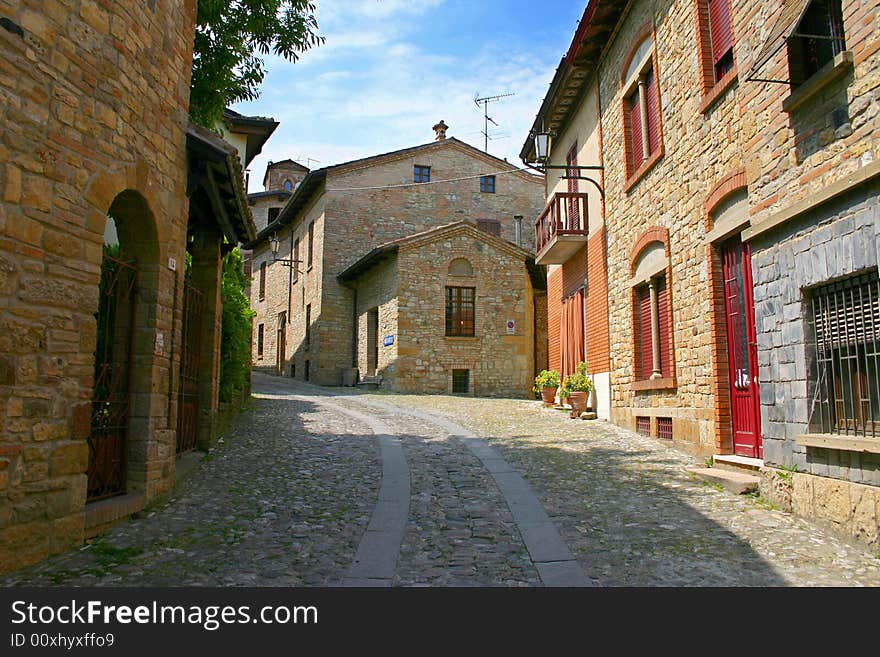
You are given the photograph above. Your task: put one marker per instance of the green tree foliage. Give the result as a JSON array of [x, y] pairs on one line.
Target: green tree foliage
[[231, 38], [235, 345]]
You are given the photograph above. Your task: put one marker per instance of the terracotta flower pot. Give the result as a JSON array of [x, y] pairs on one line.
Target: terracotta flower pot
[[578, 401], [548, 395]]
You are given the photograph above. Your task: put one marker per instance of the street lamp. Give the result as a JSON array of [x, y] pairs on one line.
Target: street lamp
[[543, 140], [275, 245]]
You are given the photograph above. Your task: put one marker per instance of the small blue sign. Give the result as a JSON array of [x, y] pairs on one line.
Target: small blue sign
[[388, 341]]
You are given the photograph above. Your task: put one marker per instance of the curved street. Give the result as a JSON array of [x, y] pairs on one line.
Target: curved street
[[332, 487]]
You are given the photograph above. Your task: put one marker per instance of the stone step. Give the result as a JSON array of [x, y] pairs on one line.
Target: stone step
[[735, 482], [737, 463]]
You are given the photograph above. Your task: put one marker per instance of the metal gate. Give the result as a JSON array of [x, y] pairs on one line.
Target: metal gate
[[190, 360], [113, 360]]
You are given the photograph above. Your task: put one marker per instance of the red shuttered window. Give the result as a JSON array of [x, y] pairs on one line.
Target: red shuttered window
[[643, 330], [721, 35], [634, 152], [653, 118]]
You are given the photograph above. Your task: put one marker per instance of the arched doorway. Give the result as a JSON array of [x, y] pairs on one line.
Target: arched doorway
[[128, 274]]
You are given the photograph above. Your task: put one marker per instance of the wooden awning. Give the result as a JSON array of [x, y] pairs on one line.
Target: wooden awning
[[786, 23]]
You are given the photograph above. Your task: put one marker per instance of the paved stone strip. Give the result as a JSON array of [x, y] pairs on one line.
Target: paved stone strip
[[554, 561], [376, 559]]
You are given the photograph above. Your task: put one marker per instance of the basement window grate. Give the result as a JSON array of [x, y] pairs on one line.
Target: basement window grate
[[461, 381], [664, 428], [643, 426]]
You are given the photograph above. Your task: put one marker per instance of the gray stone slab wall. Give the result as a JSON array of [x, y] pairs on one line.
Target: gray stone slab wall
[[834, 241]]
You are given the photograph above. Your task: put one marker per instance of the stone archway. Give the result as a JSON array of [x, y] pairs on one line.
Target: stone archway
[[127, 344]]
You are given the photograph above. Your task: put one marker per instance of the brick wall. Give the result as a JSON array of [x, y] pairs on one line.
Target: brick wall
[[95, 101], [700, 145]]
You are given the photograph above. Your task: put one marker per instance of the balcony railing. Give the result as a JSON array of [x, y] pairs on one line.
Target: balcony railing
[[561, 229]]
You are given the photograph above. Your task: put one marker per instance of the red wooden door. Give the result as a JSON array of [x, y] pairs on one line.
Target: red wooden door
[[742, 352]]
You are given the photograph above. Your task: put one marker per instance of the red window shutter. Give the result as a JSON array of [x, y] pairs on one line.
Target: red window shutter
[[665, 337], [644, 351], [635, 155], [719, 27], [653, 112]]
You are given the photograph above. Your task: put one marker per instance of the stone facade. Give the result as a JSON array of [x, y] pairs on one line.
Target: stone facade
[[812, 168], [354, 208], [407, 294], [94, 114]]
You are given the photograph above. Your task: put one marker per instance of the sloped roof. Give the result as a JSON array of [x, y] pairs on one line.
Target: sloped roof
[[316, 178], [257, 128], [446, 231]]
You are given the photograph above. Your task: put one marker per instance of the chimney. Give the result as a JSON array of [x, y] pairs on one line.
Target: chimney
[[441, 129]]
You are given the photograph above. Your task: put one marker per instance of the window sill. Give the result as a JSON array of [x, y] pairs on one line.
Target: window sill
[[640, 173], [843, 443], [653, 384], [462, 338], [711, 96], [831, 72]]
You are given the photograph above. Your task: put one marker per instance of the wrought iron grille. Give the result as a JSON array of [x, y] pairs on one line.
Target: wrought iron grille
[[643, 426], [846, 348], [111, 399], [664, 428], [190, 361]]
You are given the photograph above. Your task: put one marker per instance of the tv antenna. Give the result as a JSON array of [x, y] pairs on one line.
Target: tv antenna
[[486, 118]]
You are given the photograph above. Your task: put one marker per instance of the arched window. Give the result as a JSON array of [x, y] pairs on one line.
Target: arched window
[[641, 108], [460, 267], [652, 338], [288, 186]]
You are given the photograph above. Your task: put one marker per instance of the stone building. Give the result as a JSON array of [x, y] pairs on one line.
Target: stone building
[[737, 141], [305, 324], [436, 310], [812, 168], [95, 126]]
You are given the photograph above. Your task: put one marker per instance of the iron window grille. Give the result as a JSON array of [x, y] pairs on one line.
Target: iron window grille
[[262, 281], [460, 307], [845, 323], [260, 341], [643, 425], [818, 39], [461, 380], [487, 184], [421, 174], [664, 428]]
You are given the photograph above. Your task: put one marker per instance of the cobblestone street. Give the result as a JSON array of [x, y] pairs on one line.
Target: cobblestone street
[[325, 487]]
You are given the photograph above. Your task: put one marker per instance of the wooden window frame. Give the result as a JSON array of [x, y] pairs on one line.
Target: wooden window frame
[[491, 226], [311, 246], [487, 184], [714, 82], [262, 287], [296, 262], [456, 304], [261, 337], [643, 85], [421, 173], [307, 339]]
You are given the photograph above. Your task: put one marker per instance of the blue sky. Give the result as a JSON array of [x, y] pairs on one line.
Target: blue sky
[[390, 69]]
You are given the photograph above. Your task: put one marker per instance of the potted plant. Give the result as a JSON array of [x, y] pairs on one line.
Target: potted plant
[[577, 386], [546, 383]]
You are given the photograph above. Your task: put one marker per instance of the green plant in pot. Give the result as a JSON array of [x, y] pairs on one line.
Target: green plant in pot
[[577, 387], [546, 383]]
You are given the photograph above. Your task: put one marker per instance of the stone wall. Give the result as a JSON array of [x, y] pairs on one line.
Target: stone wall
[[95, 104], [378, 289], [700, 145], [290, 293], [831, 242], [500, 364]]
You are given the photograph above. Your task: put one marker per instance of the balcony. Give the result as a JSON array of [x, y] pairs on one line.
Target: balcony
[[561, 230]]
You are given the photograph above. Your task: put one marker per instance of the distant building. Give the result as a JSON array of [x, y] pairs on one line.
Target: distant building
[[312, 325]]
